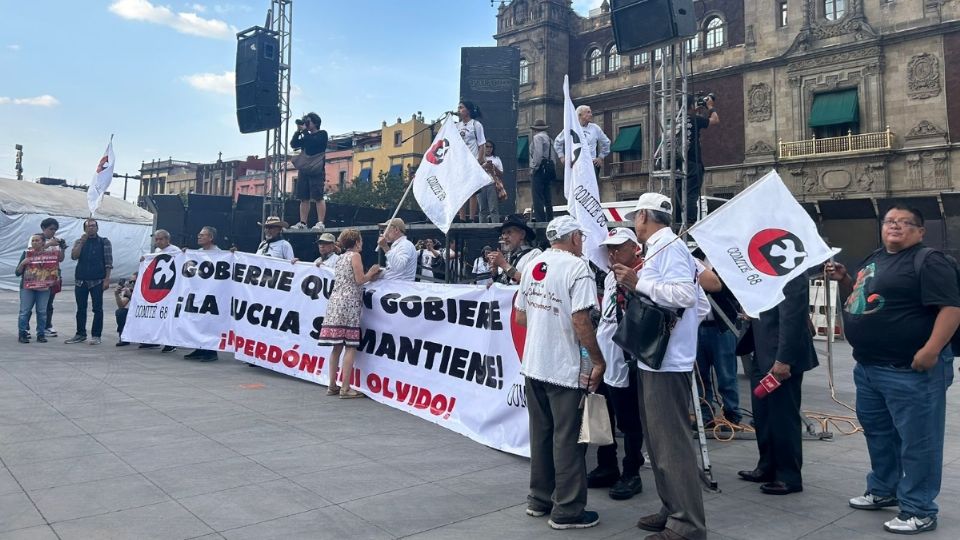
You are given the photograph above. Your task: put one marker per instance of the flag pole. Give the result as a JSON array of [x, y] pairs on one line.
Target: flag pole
[[409, 185]]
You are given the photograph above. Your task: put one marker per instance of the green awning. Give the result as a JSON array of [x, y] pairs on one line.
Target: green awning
[[834, 108], [523, 148], [628, 140]]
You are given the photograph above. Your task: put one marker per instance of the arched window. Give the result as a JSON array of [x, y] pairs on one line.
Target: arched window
[[613, 59], [524, 71], [715, 31], [595, 60], [693, 44], [834, 10], [641, 59]]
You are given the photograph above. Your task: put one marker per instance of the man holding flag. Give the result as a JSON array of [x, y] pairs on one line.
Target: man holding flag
[[761, 243], [580, 180], [447, 177]]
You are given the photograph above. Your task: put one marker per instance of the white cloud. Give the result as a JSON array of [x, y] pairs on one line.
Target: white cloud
[[183, 22], [45, 100], [222, 83], [199, 8], [13, 47]]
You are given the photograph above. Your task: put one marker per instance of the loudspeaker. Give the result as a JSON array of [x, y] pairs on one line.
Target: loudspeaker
[[170, 216], [647, 24], [257, 79], [213, 210]]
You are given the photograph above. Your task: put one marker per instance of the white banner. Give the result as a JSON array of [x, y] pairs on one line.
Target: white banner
[[446, 353], [447, 176], [580, 184], [760, 240]]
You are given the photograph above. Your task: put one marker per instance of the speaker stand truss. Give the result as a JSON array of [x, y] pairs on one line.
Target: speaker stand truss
[[668, 117], [279, 21]]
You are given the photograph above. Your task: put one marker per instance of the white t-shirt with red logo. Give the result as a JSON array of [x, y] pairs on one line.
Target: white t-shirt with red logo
[[554, 285], [472, 133]]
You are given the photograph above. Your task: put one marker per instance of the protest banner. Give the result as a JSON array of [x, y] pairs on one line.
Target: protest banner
[[445, 353]]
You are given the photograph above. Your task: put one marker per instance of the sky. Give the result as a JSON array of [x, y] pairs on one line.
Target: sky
[[159, 76]]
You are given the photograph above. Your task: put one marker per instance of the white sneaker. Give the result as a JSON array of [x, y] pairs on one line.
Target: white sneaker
[[51, 332], [907, 524], [869, 501], [319, 227], [299, 226]]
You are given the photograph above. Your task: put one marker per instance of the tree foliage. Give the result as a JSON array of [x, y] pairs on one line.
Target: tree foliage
[[384, 192]]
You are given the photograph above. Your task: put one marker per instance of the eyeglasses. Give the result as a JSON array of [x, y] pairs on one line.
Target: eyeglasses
[[899, 222]]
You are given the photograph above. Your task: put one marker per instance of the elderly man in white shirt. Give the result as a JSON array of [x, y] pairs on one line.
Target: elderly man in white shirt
[[595, 141], [400, 252], [669, 278], [327, 246]]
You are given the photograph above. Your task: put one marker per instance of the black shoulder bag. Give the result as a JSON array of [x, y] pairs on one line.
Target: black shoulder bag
[[644, 331]]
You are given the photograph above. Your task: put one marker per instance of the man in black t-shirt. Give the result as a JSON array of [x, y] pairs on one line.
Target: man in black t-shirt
[[899, 318], [312, 141]]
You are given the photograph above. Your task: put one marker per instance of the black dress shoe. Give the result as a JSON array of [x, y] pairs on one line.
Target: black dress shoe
[[602, 478], [756, 475], [779, 488]]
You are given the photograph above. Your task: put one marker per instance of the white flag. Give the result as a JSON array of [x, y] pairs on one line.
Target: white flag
[[580, 184], [447, 176], [101, 179], [760, 240]]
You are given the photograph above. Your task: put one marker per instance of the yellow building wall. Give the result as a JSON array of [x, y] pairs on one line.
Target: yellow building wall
[[389, 153]]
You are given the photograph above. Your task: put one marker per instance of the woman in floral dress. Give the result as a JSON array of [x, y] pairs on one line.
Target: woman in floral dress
[[341, 325]]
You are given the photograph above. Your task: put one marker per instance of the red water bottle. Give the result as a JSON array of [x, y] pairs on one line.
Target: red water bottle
[[767, 384]]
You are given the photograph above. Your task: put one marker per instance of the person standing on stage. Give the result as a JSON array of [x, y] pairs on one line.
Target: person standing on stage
[[543, 171], [471, 130], [489, 198], [595, 140], [311, 140]]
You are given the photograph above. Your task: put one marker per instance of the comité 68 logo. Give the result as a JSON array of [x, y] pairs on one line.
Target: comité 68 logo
[[158, 278]]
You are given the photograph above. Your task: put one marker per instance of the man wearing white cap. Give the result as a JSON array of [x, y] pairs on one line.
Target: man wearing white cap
[[556, 294], [619, 379], [327, 246], [669, 278]]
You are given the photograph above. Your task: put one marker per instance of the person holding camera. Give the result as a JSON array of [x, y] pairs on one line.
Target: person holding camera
[[701, 114], [312, 142], [427, 258], [122, 294], [543, 171]]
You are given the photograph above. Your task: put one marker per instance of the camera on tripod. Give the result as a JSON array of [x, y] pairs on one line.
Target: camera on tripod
[[702, 98]]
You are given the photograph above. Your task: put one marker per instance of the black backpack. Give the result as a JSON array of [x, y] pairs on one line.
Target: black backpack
[[918, 259]]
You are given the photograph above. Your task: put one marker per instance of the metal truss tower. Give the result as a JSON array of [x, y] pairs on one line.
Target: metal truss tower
[[280, 22], [668, 116]]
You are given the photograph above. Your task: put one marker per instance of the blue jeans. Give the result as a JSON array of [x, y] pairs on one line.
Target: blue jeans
[[902, 412], [715, 347], [29, 300]]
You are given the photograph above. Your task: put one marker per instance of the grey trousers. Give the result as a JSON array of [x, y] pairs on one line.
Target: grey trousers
[[558, 470], [665, 401], [489, 204]]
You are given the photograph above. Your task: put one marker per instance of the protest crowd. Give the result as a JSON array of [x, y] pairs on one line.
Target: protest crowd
[[641, 315]]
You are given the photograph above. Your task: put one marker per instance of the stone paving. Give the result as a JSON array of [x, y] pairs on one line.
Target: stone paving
[[99, 442]]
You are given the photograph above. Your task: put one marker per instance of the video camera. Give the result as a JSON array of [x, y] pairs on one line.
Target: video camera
[[702, 98]]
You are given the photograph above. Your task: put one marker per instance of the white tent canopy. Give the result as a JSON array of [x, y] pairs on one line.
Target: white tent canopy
[[23, 205]]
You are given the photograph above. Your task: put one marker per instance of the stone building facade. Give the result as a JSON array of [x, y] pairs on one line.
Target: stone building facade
[[848, 99]]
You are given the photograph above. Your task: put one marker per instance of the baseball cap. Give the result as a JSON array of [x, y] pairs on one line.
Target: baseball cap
[[650, 201], [561, 226], [396, 223], [326, 238], [618, 236]]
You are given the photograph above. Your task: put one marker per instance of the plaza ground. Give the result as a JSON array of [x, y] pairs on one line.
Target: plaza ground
[[100, 442]]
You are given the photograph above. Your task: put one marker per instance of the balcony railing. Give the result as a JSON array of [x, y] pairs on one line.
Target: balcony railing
[[849, 144], [628, 167]]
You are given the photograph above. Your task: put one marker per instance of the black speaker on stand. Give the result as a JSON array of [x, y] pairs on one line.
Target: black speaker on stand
[[648, 24], [257, 79]]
